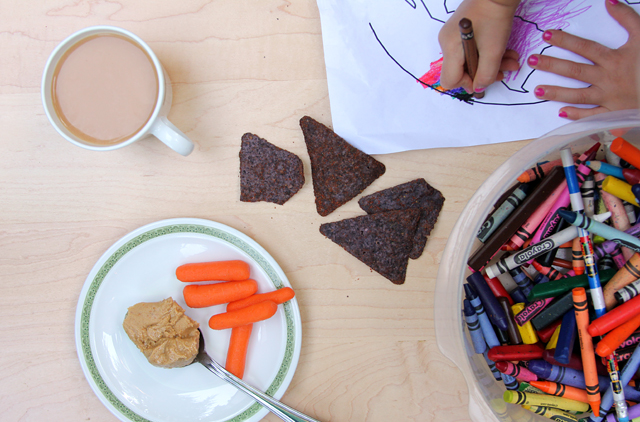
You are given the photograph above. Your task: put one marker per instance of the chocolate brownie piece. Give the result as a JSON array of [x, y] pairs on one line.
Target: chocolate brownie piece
[[267, 172], [382, 241], [339, 171], [414, 194]]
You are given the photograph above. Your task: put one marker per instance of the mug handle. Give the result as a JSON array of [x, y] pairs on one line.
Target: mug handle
[[173, 137]]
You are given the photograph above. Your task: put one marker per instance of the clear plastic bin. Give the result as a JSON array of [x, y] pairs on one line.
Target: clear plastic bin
[[485, 394]]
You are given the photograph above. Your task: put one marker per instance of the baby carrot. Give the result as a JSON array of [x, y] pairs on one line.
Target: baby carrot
[[277, 296], [213, 271], [250, 314], [203, 295], [237, 353]]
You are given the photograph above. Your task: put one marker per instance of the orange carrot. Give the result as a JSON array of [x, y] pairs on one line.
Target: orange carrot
[[237, 353], [250, 314], [214, 271], [203, 295], [277, 296]]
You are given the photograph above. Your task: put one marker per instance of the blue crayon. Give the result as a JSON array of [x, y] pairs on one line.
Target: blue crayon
[[510, 382], [485, 325], [601, 229], [574, 378], [635, 189], [503, 211], [566, 338], [522, 280], [606, 168], [492, 366], [540, 279], [626, 374], [491, 305], [473, 324], [518, 296]]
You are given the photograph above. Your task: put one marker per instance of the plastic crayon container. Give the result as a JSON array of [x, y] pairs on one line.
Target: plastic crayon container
[[486, 402]]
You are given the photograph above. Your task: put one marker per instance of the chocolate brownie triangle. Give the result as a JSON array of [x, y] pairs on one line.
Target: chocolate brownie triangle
[[382, 240], [414, 194], [339, 171], [267, 172]]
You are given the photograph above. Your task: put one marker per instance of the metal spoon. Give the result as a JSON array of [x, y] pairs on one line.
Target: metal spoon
[[281, 410]]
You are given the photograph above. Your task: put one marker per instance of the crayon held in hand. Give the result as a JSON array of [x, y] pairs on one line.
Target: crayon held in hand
[[213, 271], [470, 50]]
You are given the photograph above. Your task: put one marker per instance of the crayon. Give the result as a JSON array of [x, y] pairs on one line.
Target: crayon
[[632, 176], [546, 333], [527, 229], [633, 412], [519, 372], [563, 263], [527, 313], [612, 341], [517, 352], [553, 311], [587, 246], [625, 276], [608, 232], [552, 413], [525, 387], [470, 51], [540, 170], [522, 279], [606, 168], [512, 331], [487, 250], [473, 324], [530, 399], [492, 367], [542, 291], [609, 246], [561, 390], [488, 332], [627, 292], [617, 392], [616, 317], [527, 333], [619, 216], [489, 301], [497, 288], [511, 383], [566, 338], [521, 257], [586, 349], [620, 189], [635, 189], [546, 260], [553, 341], [518, 296], [502, 212], [588, 192], [626, 151], [631, 211], [575, 361], [577, 260]]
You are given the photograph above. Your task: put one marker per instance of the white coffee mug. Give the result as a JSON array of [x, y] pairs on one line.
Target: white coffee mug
[[157, 125]]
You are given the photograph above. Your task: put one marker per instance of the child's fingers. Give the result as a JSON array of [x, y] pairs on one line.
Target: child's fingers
[[625, 16], [578, 71], [569, 95], [575, 113], [588, 49]]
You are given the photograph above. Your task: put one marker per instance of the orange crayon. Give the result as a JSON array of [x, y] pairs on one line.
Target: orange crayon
[[561, 390], [626, 151], [611, 341], [586, 349], [626, 275], [577, 259]]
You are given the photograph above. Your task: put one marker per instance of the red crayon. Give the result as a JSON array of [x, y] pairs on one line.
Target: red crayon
[[545, 334], [550, 272], [498, 289], [632, 176], [517, 352], [614, 318]]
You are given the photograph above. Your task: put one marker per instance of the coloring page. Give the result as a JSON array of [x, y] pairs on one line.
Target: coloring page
[[383, 65]]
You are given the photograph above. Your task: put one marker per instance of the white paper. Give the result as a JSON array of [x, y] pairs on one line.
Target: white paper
[[375, 50]]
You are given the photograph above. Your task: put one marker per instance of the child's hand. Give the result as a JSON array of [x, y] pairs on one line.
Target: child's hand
[[613, 75], [492, 21]]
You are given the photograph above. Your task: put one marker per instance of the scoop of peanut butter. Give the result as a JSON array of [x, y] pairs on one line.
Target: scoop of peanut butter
[[161, 330]]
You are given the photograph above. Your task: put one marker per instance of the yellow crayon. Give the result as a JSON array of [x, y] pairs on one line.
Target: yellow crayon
[[517, 397], [552, 413], [553, 341], [527, 332], [622, 190]]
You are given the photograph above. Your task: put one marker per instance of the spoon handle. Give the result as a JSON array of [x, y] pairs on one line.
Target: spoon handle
[[281, 410]]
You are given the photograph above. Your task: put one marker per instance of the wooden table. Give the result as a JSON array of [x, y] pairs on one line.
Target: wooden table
[[369, 351]]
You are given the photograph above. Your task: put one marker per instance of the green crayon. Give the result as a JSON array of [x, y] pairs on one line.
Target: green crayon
[[563, 285]]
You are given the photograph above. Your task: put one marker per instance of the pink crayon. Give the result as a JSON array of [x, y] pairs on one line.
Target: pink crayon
[[519, 372], [531, 310]]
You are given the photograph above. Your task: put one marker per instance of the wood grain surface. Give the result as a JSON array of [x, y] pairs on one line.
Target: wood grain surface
[[369, 351]]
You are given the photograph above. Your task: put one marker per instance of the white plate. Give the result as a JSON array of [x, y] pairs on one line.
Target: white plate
[[140, 267]]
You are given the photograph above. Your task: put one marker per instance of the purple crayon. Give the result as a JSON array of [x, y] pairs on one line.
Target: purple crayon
[[491, 306]]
